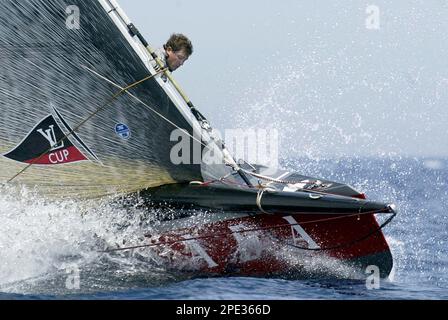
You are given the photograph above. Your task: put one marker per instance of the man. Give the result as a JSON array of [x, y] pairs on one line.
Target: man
[[175, 52]]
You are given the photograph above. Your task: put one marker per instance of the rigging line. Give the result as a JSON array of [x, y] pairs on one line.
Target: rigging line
[[207, 183], [149, 107], [274, 180], [223, 180], [340, 216], [134, 32], [228, 158], [161, 243], [260, 197], [108, 102], [353, 242], [271, 179]]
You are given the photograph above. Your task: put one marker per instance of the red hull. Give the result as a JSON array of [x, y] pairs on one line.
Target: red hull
[[264, 245]]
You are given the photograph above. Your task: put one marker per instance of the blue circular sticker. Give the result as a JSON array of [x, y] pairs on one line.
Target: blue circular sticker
[[123, 131]]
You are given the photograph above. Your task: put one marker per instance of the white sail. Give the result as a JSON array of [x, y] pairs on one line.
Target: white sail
[[68, 129]]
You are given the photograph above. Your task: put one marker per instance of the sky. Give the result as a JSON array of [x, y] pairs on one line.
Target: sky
[[335, 78]]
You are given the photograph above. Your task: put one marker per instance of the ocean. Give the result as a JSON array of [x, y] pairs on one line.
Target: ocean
[[42, 243]]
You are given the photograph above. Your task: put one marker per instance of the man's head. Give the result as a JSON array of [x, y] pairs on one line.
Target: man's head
[[178, 49]]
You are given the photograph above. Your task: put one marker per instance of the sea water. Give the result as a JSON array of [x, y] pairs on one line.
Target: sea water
[[52, 250]]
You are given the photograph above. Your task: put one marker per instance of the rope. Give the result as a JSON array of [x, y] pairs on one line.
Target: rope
[[224, 151], [273, 180], [266, 178], [149, 107], [161, 243], [260, 197], [349, 244], [222, 180], [108, 102]]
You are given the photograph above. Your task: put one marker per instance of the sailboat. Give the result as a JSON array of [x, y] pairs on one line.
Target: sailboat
[[89, 112]]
